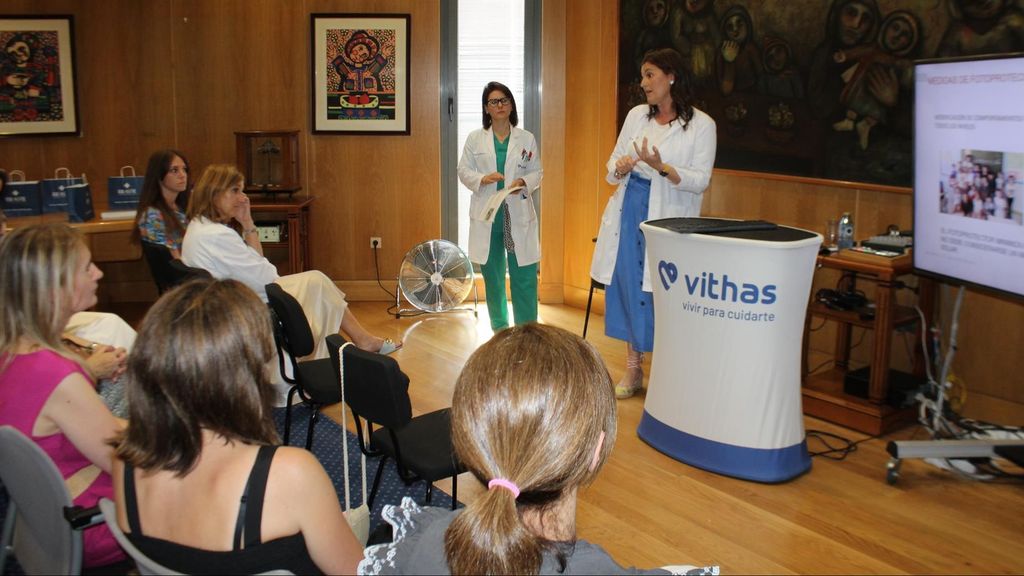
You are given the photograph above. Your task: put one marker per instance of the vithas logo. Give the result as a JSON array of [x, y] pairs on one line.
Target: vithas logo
[[717, 287]]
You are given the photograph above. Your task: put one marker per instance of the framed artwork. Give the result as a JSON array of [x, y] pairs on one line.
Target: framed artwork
[[37, 76], [818, 89], [360, 73]]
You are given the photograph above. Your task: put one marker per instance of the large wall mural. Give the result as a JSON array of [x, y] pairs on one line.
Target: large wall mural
[[813, 88]]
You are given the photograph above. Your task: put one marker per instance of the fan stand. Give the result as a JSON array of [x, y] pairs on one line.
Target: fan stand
[[416, 311]]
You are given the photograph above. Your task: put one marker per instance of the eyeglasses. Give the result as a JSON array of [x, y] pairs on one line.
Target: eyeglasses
[[495, 102]]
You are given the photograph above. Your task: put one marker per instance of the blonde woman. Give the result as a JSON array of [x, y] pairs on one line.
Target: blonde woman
[[102, 339], [221, 238], [46, 392], [533, 417]]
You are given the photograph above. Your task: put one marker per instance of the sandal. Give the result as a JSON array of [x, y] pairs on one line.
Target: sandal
[[625, 389], [388, 346]]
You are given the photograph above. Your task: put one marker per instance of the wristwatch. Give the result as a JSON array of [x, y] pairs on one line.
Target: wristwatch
[[663, 172]]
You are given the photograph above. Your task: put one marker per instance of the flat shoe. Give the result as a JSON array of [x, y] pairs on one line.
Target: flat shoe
[[388, 346]]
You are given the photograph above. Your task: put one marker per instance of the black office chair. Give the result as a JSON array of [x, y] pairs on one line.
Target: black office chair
[[158, 258], [376, 390], [594, 285], [183, 272], [168, 271], [315, 381]]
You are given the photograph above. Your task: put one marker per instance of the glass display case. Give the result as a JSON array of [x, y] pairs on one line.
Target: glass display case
[[269, 159]]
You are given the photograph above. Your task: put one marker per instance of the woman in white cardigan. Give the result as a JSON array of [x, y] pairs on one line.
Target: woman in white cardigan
[[661, 165], [497, 157], [222, 238]]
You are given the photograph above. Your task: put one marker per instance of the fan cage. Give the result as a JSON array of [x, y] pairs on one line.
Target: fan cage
[[435, 276]]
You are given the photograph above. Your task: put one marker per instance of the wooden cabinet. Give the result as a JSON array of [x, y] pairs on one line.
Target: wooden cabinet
[[290, 216], [823, 393]]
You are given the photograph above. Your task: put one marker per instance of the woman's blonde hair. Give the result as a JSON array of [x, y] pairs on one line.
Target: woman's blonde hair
[[37, 282], [530, 407], [216, 179], [200, 362]]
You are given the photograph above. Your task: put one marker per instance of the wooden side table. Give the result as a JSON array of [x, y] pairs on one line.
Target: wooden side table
[[823, 393], [290, 253]]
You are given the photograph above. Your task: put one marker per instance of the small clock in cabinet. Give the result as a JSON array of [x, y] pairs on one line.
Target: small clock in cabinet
[[269, 160]]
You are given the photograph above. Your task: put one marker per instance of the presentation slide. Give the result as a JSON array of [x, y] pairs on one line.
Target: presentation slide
[[969, 171]]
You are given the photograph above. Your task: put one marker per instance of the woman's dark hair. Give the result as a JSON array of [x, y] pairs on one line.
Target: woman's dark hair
[[199, 363], [152, 194], [531, 406], [3, 184], [670, 62], [513, 118]]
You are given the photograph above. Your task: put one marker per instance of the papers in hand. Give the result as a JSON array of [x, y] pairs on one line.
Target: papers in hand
[[494, 204]]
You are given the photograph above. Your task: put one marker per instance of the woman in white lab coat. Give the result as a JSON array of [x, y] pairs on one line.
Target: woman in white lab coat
[[498, 157], [662, 164]]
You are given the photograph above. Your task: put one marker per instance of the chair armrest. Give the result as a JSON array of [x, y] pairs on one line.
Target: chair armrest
[[80, 517]]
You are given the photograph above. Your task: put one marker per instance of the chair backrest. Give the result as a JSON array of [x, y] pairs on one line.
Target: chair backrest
[[297, 338], [167, 270], [44, 541], [375, 387], [183, 272], [159, 258], [142, 562]]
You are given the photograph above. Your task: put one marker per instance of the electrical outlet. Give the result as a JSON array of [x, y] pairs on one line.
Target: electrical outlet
[[374, 242]]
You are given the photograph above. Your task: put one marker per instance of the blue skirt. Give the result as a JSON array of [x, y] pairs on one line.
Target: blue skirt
[[629, 311]]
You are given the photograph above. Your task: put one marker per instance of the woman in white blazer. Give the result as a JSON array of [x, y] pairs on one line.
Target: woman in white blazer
[[497, 157], [661, 164], [222, 239]]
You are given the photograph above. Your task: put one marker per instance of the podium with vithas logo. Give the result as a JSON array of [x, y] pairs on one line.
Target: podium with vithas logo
[[729, 306]]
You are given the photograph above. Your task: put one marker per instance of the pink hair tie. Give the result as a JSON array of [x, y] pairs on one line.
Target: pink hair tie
[[504, 483]]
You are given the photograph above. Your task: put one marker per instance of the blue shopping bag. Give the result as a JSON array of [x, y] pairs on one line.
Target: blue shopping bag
[[123, 191], [79, 202], [55, 197], [21, 197]]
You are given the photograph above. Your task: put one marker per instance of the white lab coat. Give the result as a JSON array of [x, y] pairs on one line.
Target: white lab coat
[[691, 152], [523, 161]]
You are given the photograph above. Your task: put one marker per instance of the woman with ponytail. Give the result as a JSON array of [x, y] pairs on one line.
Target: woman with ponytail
[[533, 417]]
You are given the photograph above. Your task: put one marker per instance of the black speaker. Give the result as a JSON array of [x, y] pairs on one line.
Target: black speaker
[[840, 300]]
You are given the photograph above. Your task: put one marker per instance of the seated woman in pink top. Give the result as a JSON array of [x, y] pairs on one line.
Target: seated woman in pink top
[[46, 275]]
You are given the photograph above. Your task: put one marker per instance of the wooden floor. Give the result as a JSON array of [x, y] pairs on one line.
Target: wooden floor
[[649, 510]]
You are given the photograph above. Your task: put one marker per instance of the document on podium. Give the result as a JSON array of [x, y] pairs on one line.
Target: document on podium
[[494, 204]]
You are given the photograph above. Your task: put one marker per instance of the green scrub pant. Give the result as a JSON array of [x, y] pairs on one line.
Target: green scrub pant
[[522, 280]]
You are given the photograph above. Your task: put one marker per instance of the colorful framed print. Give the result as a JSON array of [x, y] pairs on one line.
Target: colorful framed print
[[37, 76], [360, 73]]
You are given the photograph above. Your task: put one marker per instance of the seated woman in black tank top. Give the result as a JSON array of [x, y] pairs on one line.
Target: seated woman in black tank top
[[199, 484]]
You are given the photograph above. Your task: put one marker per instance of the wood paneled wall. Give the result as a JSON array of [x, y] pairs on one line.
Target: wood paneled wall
[[991, 330], [189, 73]]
